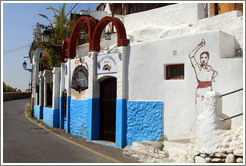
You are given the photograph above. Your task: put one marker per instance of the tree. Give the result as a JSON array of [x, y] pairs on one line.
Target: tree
[[28, 90], [7, 88], [60, 28]]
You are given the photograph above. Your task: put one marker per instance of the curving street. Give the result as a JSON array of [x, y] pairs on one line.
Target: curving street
[[25, 142]]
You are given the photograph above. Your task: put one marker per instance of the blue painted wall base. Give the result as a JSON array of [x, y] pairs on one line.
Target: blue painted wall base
[[51, 117], [38, 112], [144, 121], [61, 118], [93, 119], [78, 117], [68, 115], [135, 120], [120, 140]]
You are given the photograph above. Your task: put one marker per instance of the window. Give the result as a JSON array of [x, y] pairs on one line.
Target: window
[[175, 72]]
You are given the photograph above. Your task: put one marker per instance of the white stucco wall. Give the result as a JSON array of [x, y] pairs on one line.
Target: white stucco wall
[[120, 74], [230, 22], [96, 14], [82, 51], [35, 55], [74, 63], [155, 36], [229, 79], [170, 16], [56, 87], [146, 77], [62, 79], [182, 19]]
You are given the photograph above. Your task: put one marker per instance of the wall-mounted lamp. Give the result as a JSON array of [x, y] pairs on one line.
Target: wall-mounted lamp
[[25, 65]]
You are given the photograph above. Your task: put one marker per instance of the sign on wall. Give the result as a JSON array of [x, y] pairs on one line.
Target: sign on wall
[[107, 63]]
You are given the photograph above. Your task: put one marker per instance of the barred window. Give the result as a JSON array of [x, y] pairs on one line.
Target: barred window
[[175, 72]]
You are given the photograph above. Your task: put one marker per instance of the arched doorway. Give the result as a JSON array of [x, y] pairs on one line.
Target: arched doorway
[[108, 92]]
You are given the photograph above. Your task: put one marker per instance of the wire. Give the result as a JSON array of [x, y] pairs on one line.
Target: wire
[[69, 7], [78, 7], [11, 50], [72, 9]]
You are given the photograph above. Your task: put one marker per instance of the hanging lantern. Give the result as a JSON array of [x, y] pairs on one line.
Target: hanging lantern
[[108, 35], [45, 36], [82, 35]]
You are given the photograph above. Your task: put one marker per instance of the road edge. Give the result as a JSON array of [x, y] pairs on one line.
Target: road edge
[[70, 141]]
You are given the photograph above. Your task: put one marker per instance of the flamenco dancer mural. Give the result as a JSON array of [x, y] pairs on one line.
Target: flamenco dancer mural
[[205, 75]]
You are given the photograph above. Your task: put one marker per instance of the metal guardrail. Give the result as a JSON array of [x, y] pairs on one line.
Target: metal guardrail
[[229, 94], [232, 116]]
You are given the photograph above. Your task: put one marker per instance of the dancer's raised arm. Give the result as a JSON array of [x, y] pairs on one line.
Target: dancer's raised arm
[[193, 53]]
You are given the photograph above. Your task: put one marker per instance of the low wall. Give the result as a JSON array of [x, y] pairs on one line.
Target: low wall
[[15, 95]]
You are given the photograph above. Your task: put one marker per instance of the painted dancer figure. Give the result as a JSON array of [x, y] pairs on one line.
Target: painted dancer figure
[[205, 75]]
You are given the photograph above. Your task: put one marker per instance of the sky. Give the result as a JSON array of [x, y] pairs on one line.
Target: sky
[[18, 21]]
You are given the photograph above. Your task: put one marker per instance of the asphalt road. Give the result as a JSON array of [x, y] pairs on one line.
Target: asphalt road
[[25, 142]]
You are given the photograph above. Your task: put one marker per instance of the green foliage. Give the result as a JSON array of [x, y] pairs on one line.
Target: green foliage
[[161, 147], [28, 90], [51, 84], [30, 112], [163, 138], [60, 28], [7, 88]]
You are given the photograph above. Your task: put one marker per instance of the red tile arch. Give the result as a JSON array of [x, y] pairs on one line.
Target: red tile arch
[[121, 32], [91, 23]]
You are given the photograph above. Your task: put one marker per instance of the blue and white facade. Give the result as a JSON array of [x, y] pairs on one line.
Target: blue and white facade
[[134, 119], [148, 105]]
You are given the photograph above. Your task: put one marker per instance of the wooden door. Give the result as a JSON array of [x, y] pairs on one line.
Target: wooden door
[[107, 109], [220, 8], [225, 7]]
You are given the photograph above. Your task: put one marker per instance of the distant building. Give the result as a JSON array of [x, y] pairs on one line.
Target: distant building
[[129, 8]]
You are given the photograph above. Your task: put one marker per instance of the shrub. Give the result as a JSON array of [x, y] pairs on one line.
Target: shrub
[[30, 112], [163, 138]]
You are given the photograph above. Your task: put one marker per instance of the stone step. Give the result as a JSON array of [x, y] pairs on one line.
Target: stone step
[[143, 156], [178, 147], [149, 146], [179, 150]]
